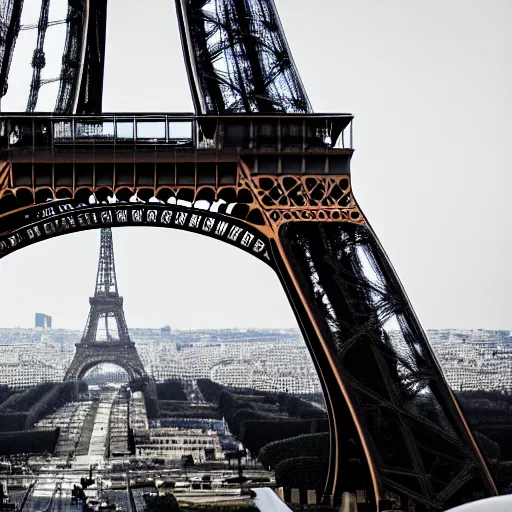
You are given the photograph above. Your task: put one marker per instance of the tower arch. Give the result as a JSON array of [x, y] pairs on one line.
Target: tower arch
[[88, 358]]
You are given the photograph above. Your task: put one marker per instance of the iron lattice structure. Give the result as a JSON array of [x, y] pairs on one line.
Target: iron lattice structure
[[106, 310], [253, 167], [238, 58]]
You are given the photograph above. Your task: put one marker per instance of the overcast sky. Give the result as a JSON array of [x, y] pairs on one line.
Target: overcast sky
[[430, 86]]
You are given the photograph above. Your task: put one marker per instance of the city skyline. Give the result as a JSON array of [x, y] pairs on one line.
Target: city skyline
[[451, 258]]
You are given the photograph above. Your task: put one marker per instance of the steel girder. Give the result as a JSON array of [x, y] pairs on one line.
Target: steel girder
[[10, 12], [238, 58]]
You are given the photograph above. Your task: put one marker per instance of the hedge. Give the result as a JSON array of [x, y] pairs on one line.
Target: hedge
[[171, 390], [500, 434], [44, 398], [229, 405], [198, 413], [56, 397], [29, 441], [166, 503], [255, 434], [24, 400], [5, 393], [295, 406], [502, 473], [209, 389], [11, 421], [171, 406], [302, 473], [242, 415], [240, 507], [490, 448], [175, 409], [151, 399], [308, 445], [319, 425]]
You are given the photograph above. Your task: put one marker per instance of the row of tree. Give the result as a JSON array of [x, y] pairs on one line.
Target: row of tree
[[5, 392], [295, 406], [29, 441], [22, 401], [21, 411], [175, 409], [171, 390], [150, 394], [308, 445], [210, 390], [256, 434]]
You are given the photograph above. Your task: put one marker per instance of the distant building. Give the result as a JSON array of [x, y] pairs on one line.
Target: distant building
[[269, 361], [174, 443], [43, 321], [475, 359]]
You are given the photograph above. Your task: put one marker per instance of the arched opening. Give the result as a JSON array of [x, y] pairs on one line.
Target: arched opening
[[228, 371], [106, 374]]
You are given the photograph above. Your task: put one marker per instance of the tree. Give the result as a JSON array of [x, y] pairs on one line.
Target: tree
[[209, 389], [308, 445], [255, 434], [302, 473], [171, 390]]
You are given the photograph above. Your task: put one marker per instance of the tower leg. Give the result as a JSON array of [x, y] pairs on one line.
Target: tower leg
[[409, 436]]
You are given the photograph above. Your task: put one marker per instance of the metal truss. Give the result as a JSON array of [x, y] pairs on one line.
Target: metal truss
[[386, 390], [422, 450], [106, 306], [90, 92], [38, 58], [238, 57], [10, 16]]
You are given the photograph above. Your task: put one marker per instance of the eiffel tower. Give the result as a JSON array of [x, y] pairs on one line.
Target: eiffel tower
[[106, 338], [255, 167]]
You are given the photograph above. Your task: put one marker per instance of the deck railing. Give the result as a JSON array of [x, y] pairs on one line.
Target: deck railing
[[285, 132]]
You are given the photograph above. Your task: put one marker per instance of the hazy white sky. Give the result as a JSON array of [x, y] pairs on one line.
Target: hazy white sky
[[430, 86]]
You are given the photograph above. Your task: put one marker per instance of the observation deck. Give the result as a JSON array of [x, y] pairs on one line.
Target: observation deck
[[131, 150]]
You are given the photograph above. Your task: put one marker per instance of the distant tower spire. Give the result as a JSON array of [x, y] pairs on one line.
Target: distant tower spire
[[106, 280], [106, 338], [106, 320]]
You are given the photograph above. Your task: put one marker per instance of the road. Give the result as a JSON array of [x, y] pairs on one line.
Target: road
[[99, 438], [268, 501]]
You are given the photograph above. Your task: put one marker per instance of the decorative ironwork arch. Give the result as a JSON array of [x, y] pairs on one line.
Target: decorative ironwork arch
[[396, 430], [68, 217]]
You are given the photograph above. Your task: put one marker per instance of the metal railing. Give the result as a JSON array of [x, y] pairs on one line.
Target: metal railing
[[247, 132]]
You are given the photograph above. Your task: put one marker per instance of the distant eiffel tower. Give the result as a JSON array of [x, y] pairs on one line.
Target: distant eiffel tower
[[106, 338]]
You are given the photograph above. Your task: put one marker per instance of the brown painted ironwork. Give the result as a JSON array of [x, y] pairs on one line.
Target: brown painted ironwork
[[214, 186]]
